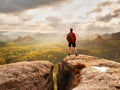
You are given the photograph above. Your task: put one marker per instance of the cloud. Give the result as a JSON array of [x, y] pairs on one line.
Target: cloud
[[98, 9], [8, 6], [117, 11], [101, 29], [57, 22], [118, 2], [61, 24], [101, 6], [39, 17], [9, 20], [54, 20], [107, 17], [118, 23], [107, 11]]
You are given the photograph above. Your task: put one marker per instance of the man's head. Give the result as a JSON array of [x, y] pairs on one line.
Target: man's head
[[71, 29]]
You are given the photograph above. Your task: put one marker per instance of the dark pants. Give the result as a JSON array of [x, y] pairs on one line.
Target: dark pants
[[73, 44]]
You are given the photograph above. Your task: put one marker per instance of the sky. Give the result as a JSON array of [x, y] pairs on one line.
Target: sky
[[48, 16]]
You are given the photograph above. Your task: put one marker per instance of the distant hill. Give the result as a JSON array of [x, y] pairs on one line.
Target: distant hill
[[3, 38], [49, 37], [99, 37], [111, 36], [46, 35], [10, 36], [106, 36], [115, 36], [25, 38]]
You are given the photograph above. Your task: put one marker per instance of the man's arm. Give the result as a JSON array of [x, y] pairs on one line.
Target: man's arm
[[67, 37]]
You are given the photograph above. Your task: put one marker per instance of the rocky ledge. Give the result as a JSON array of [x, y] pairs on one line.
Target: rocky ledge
[[88, 73], [36, 75]]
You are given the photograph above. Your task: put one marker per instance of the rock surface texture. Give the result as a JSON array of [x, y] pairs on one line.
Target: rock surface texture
[[36, 75], [88, 73]]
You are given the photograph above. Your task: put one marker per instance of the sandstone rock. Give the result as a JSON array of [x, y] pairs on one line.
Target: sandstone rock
[[88, 73], [36, 75]]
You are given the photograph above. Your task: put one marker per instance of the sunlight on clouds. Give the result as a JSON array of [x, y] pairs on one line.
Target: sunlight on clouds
[[77, 8], [9, 19], [79, 14], [115, 21], [105, 11], [40, 13]]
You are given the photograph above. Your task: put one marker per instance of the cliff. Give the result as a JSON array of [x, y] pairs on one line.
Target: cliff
[[88, 73], [81, 72], [36, 75]]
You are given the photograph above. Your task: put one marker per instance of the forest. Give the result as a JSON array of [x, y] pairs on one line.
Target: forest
[[12, 51]]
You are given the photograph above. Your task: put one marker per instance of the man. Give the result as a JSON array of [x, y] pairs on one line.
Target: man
[[71, 38]]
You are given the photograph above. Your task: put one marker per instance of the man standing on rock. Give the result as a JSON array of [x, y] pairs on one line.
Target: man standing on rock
[[71, 38]]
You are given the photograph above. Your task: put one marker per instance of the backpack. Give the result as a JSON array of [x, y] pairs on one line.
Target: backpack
[[70, 37]]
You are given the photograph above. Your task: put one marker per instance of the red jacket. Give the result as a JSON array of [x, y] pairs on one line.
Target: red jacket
[[73, 37]]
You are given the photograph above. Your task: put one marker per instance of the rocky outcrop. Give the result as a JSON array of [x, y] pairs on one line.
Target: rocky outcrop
[[88, 73], [99, 37], [25, 38], [36, 75]]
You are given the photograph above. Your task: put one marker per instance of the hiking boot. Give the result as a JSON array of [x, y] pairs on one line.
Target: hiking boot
[[68, 54], [76, 54]]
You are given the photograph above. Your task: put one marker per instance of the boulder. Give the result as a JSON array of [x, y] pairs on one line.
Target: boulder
[[35, 75], [88, 73]]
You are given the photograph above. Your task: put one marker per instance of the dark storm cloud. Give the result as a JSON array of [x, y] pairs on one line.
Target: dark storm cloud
[[8, 6], [107, 17], [100, 6]]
